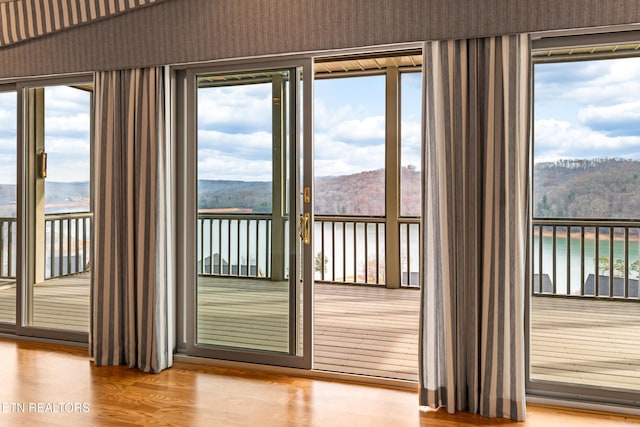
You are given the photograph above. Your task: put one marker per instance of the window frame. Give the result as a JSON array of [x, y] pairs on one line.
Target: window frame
[[602, 46]]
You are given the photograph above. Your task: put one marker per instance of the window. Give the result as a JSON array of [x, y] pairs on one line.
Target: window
[[367, 215], [586, 227], [350, 146], [410, 144], [58, 203], [8, 226]]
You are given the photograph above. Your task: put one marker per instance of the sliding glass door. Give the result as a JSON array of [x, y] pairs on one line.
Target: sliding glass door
[[584, 307], [57, 217], [252, 217], [8, 225]]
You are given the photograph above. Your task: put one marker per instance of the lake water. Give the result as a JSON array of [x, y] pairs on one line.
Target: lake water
[[572, 262]]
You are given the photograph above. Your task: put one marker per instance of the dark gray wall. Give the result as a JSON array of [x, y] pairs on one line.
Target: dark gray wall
[[177, 31]]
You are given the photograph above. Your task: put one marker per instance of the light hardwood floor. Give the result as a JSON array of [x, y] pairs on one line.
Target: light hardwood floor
[[51, 385], [374, 331]]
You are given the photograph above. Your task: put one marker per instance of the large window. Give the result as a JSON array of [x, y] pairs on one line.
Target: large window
[[350, 146], [57, 169], [367, 157], [584, 329], [410, 144], [8, 226]]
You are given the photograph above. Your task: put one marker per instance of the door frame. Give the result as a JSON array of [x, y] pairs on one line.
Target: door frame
[[25, 207], [186, 156]]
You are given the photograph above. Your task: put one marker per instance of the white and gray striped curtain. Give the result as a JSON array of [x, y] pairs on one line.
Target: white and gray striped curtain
[[132, 315], [476, 136], [22, 20]]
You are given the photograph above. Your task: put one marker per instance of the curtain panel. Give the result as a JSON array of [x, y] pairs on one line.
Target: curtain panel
[[476, 142], [23, 20], [131, 311]]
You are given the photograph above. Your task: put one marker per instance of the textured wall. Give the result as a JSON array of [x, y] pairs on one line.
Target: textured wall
[[178, 31]]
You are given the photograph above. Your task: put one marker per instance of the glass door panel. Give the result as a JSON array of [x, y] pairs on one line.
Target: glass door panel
[[247, 265], [57, 296], [8, 226]]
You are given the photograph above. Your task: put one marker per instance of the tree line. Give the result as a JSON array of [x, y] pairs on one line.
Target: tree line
[[587, 188]]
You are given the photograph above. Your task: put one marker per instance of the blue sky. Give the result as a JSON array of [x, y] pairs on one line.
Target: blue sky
[[67, 133], [582, 110], [349, 128], [7, 138], [587, 110], [67, 114]]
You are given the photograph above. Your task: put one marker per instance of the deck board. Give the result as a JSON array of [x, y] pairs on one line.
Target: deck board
[[586, 341], [374, 331], [367, 331]]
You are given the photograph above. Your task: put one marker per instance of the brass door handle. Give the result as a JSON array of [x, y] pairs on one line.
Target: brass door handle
[[42, 164], [305, 228]]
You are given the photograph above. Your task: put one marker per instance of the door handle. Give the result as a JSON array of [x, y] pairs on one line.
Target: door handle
[[42, 164], [305, 228]]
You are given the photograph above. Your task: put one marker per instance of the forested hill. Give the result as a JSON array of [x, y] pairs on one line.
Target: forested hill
[[357, 194], [59, 197], [363, 193], [249, 196], [594, 188], [597, 188]]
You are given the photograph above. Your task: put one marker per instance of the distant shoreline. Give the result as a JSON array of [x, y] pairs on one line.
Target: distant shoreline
[[592, 236]]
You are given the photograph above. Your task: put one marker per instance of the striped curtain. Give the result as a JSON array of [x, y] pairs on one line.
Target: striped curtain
[[27, 19], [132, 314], [476, 137]]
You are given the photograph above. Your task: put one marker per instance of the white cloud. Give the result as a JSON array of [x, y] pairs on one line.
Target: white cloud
[[333, 158], [8, 164], [256, 144], [602, 82], [245, 106], [7, 118], [65, 100], [214, 164], [68, 147], [59, 123], [555, 139], [361, 130], [628, 111], [587, 109]]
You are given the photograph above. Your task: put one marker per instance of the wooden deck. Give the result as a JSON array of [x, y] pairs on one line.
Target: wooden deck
[[374, 331], [589, 342], [367, 331], [61, 303], [7, 301]]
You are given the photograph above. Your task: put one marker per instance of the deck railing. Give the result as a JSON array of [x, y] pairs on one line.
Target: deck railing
[[350, 250], [579, 258], [67, 245], [234, 245], [7, 248], [347, 249], [353, 250]]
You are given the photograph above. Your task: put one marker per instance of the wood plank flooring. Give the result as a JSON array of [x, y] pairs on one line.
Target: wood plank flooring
[[7, 301], [590, 342], [243, 313], [374, 331], [367, 331], [50, 385], [60, 303]]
